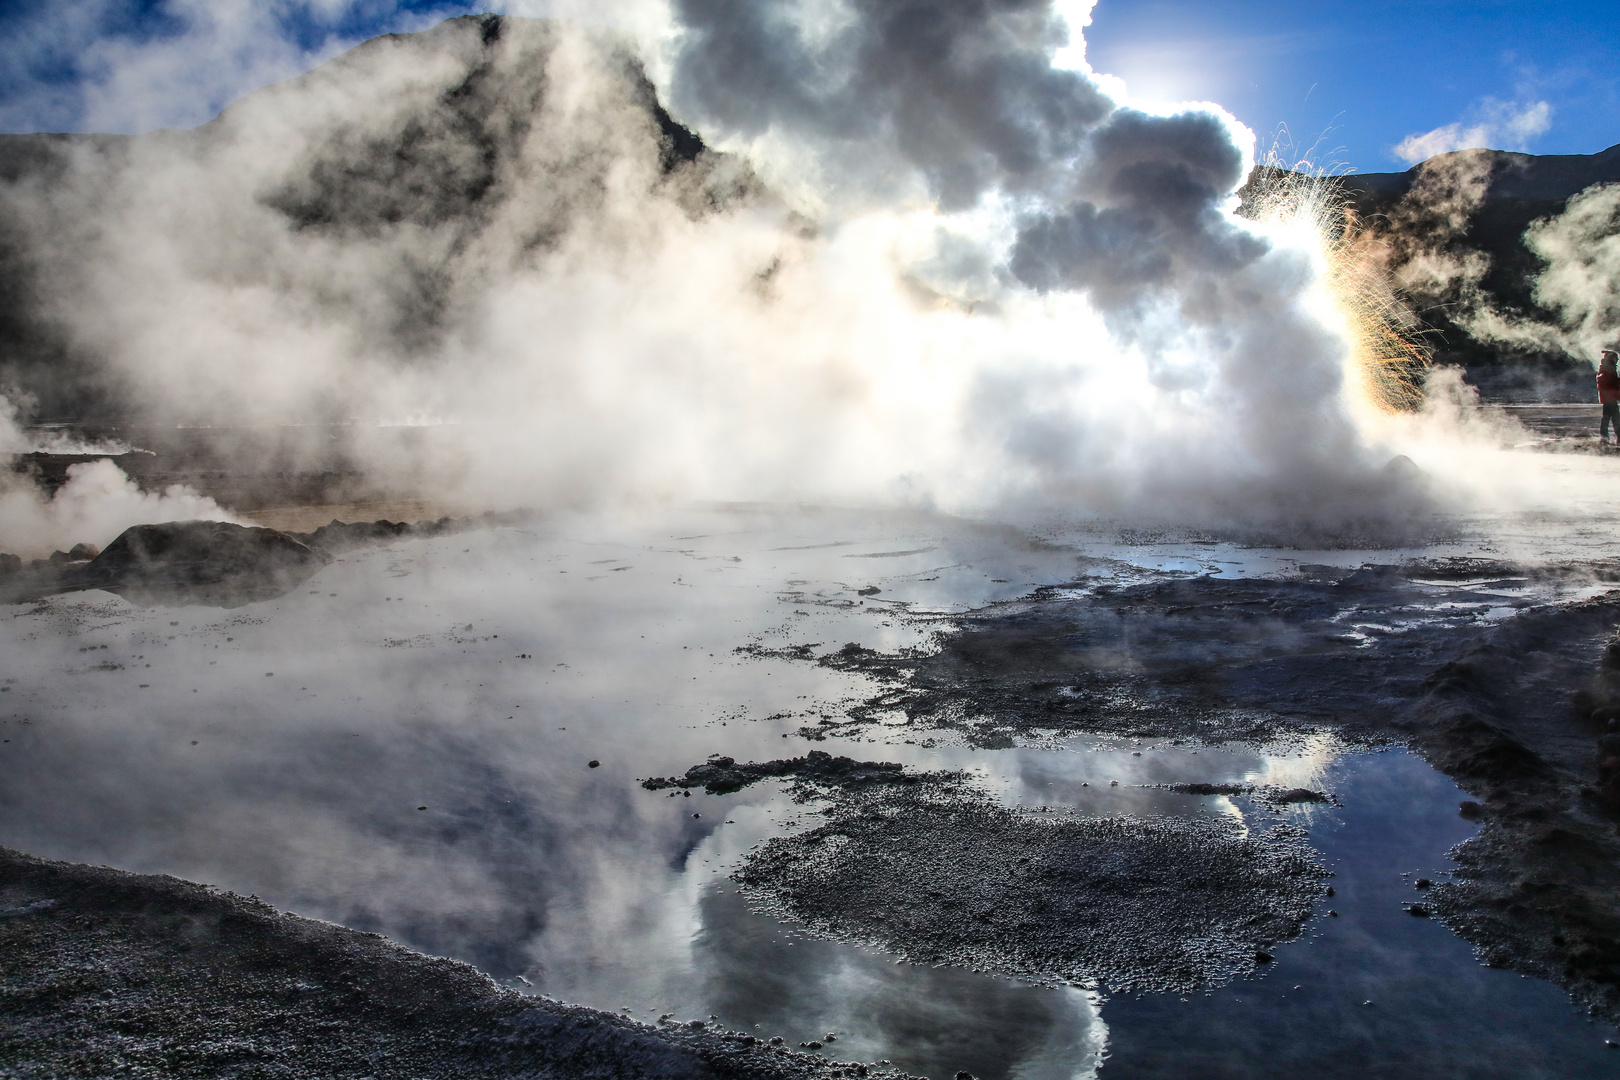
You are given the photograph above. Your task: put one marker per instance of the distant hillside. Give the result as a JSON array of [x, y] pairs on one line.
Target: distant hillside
[[1452, 232], [1513, 178], [397, 161], [402, 166]]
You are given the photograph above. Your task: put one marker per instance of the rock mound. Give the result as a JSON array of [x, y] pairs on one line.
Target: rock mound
[[202, 562], [928, 866]]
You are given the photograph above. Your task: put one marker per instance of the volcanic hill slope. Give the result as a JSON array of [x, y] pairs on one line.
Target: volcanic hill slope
[[383, 188], [1453, 233]]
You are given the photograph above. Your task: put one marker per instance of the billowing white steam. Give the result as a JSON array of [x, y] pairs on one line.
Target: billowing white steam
[[95, 504], [1581, 282], [932, 265]]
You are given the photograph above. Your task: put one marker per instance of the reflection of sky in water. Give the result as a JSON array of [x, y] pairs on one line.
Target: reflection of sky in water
[[285, 749]]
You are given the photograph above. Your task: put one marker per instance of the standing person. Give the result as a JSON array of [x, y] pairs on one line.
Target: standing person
[[1608, 386]]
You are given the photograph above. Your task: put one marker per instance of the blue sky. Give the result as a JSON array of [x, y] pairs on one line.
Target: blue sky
[[1354, 84], [1356, 79]]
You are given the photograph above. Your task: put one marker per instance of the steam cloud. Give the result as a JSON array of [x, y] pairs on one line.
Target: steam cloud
[[97, 502], [920, 261], [1581, 248]]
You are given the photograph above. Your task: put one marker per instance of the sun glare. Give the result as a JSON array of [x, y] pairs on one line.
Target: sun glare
[[1387, 357]]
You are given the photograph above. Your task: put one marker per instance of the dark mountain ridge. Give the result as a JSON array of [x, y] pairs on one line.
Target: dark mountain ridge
[[1548, 178]]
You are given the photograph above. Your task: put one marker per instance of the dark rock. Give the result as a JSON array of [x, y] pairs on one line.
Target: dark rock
[[1418, 910], [1422, 883], [722, 775], [83, 552], [1209, 789], [339, 536], [593, 764], [202, 562], [10, 564], [1300, 795]]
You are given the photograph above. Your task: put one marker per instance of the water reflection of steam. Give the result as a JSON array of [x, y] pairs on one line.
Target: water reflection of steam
[[304, 787], [932, 1021]]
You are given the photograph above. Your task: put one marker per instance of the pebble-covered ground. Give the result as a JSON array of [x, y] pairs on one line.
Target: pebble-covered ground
[[105, 973]]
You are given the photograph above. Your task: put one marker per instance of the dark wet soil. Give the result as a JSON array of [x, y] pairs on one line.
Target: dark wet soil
[[1198, 658], [926, 866], [1515, 709], [1524, 720], [105, 973]]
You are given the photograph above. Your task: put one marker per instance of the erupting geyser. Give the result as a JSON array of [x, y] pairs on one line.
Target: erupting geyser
[[919, 254]]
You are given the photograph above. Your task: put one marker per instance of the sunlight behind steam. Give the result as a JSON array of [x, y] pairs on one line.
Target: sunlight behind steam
[[983, 284], [1387, 359]]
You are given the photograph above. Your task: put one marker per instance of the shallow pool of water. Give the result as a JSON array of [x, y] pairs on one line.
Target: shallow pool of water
[[405, 744]]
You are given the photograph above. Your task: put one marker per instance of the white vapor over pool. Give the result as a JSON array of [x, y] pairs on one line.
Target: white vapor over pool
[[927, 260]]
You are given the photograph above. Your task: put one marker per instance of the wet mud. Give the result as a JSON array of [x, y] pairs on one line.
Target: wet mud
[[928, 867], [1507, 696], [107, 973], [1526, 722], [1202, 658]]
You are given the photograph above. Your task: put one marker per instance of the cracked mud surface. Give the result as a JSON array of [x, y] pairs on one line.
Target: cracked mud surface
[[927, 867], [103, 973]]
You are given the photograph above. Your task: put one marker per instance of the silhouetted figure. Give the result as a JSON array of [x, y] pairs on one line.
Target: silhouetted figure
[[1608, 384]]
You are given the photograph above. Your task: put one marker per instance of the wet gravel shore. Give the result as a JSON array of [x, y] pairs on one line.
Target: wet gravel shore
[[106, 973]]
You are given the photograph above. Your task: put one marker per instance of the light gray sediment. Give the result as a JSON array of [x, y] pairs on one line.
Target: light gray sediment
[[926, 866]]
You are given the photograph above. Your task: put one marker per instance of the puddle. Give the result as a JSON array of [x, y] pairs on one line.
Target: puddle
[[405, 746]]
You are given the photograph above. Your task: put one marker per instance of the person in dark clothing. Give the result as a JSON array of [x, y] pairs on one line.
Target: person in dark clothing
[[1608, 387]]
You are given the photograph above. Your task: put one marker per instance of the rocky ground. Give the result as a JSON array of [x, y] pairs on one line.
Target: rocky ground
[[105, 973]]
